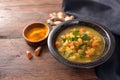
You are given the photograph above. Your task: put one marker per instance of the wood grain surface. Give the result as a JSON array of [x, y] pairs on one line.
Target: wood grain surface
[[14, 65]]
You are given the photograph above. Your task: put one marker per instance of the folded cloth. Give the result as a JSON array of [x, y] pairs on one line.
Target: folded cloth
[[106, 12]]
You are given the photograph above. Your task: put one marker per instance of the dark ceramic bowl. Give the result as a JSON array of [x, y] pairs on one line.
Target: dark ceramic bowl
[[107, 35]]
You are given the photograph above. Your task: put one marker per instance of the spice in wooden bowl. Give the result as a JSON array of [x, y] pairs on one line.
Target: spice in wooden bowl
[[35, 34]]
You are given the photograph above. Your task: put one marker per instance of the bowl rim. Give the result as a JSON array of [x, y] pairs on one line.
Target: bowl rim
[[100, 60], [28, 26]]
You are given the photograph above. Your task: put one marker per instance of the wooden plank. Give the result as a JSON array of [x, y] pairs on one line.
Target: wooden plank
[[27, 2]]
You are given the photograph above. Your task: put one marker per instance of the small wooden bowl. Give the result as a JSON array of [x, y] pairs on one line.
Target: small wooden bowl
[[39, 42]]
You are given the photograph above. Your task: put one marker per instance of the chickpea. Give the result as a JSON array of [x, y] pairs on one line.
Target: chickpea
[[61, 50], [67, 35], [71, 35], [62, 36], [72, 57], [80, 40], [65, 43], [77, 55], [72, 47], [68, 50]]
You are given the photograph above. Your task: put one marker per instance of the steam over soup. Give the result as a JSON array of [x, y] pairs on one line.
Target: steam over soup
[[80, 44]]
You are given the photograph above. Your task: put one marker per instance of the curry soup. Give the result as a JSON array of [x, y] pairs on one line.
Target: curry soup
[[80, 44]]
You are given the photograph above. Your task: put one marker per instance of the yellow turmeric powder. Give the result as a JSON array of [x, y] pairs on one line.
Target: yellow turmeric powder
[[36, 33]]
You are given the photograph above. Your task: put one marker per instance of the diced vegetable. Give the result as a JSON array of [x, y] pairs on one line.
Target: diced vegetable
[[90, 51], [91, 36], [70, 44], [57, 43], [94, 44], [82, 30]]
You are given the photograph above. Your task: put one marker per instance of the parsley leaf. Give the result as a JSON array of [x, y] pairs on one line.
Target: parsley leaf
[[74, 39], [76, 33], [64, 53], [69, 39], [83, 45], [85, 37], [69, 55], [64, 39], [82, 54]]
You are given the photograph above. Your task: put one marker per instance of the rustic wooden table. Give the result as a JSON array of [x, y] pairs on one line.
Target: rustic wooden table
[[14, 65]]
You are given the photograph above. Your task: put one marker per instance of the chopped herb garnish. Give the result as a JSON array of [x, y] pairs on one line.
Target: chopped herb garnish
[[74, 39], [69, 55], [82, 54], [83, 45], [91, 41], [76, 33], [69, 39], [64, 39], [85, 37], [64, 53]]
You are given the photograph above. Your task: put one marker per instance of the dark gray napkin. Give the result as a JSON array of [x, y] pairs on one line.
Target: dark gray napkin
[[106, 12]]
